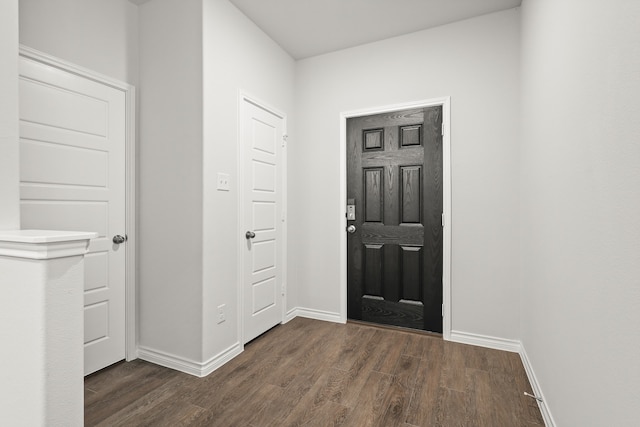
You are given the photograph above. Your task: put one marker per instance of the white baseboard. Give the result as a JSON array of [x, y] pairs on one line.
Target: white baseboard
[[204, 369], [132, 355], [291, 314], [310, 313], [189, 366], [514, 346], [535, 386], [486, 341]]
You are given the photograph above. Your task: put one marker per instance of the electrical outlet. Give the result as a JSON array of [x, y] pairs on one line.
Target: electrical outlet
[[221, 313], [223, 181]]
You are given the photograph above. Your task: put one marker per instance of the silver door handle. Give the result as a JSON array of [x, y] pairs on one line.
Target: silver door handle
[[351, 229], [249, 235], [118, 239]]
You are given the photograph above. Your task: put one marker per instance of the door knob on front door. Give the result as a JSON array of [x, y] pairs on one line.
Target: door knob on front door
[[351, 229], [250, 235], [118, 239]]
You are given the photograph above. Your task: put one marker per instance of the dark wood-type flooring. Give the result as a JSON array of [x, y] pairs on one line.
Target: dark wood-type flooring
[[315, 373]]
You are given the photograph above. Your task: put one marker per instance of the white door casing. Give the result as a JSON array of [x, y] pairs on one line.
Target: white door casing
[[72, 172], [261, 137]]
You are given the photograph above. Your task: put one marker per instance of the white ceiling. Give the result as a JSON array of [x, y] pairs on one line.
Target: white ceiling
[[307, 28]]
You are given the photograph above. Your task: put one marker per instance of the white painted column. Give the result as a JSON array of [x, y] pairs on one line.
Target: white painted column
[[41, 327], [9, 146]]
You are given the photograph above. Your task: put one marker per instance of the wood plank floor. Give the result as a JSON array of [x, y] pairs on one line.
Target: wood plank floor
[[315, 373]]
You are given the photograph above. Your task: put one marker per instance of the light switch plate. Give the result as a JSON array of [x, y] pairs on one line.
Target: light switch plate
[[223, 181]]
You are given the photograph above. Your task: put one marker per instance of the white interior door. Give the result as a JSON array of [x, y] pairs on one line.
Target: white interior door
[[262, 135], [72, 173]]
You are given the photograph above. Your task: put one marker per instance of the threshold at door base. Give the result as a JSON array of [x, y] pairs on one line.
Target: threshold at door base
[[395, 328]]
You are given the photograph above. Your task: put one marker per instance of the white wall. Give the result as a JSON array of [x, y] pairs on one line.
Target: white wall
[[9, 161], [170, 178], [97, 34], [580, 208], [195, 58], [237, 55], [476, 62]]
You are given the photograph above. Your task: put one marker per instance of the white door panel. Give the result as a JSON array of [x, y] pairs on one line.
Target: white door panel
[[65, 165], [62, 105], [96, 270], [262, 133], [72, 177], [66, 215], [264, 295], [264, 216]]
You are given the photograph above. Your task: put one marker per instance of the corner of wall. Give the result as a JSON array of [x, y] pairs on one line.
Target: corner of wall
[[170, 181], [535, 386]]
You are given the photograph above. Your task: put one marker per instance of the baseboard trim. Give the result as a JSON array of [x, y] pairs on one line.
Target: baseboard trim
[[169, 361], [514, 346], [221, 358], [189, 366], [203, 369], [291, 314], [535, 386], [310, 313], [486, 341]]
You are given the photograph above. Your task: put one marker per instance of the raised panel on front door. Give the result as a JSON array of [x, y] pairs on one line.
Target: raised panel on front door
[[373, 195], [392, 201], [411, 272], [391, 272], [411, 194], [373, 255], [373, 140], [410, 135]]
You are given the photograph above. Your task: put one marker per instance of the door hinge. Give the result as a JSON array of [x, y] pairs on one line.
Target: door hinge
[[283, 216], [282, 289], [442, 219], [442, 306], [442, 129], [284, 140]]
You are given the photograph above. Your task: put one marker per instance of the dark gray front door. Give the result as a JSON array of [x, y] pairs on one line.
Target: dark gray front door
[[394, 179]]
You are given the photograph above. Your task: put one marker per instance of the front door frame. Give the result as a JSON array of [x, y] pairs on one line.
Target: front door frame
[[131, 320], [445, 102]]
